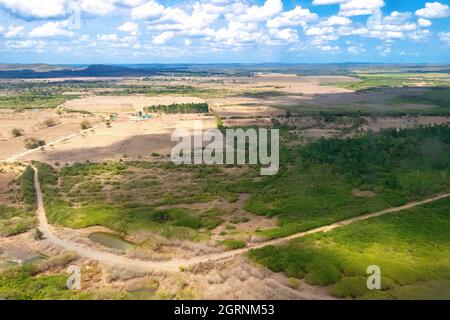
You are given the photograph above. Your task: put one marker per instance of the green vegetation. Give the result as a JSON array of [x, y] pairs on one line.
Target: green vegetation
[[127, 196], [19, 219], [402, 79], [27, 190], [33, 101], [22, 284], [316, 183], [232, 244], [412, 248], [14, 221], [179, 108]]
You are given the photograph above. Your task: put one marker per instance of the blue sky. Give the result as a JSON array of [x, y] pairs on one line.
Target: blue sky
[[215, 31]]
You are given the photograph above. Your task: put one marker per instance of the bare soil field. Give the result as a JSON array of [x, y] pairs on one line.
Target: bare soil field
[[124, 138], [121, 104], [31, 125]]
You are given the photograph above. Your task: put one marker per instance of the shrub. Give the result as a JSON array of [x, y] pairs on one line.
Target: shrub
[[33, 143], [85, 125], [49, 123], [232, 244], [16, 132]]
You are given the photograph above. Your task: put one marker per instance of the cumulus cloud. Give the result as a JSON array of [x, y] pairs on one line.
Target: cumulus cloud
[[336, 21], [259, 13], [13, 31], [287, 34], [445, 37], [424, 23], [317, 31], [163, 37], [112, 37], [434, 10], [325, 2], [296, 17], [38, 9], [129, 27], [359, 8], [149, 10], [51, 29]]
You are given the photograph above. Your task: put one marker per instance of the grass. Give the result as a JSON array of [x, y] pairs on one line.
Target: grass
[[20, 218], [232, 244], [412, 248], [33, 101], [390, 80], [128, 196], [14, 221]]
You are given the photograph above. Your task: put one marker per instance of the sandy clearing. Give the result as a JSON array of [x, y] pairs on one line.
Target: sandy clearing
[[29, 122], [121, 104], [124, 138]]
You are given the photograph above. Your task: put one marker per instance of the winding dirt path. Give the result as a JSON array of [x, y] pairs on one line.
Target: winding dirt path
[[176, 264]]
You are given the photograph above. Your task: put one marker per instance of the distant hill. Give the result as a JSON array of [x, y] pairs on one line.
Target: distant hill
[[27, 72], [40, 71], [37, 67]]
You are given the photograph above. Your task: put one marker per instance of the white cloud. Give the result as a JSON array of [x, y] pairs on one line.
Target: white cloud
[[287, 34], [163, 37], [316, 31], [149, 10], [336, 21], [434, 10], [360, 7], [397, 17], [324, 2], [356, 49], [1, 28], [97, 7], [424, 23], [328, 48], [107, 37], [51, 29], [24, 44], [257, 13], [419, 35], [129, 27], [36, 9], [445, 37], [13, 31], [296, 17]]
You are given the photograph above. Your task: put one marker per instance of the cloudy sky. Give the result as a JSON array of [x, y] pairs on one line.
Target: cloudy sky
[[210, 31]]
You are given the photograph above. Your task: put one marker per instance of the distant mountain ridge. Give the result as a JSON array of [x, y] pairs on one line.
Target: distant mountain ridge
[[42, 71], [66, 72]]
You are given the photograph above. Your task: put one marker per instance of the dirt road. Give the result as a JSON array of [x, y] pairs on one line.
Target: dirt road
[[177, 264]]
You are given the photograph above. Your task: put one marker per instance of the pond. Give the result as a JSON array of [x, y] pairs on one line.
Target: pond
[[111, 240]]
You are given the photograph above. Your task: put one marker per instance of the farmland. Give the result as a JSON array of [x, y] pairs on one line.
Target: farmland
[[352, 143]]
